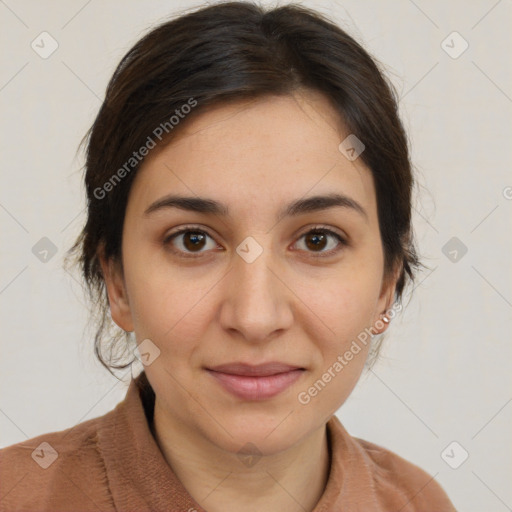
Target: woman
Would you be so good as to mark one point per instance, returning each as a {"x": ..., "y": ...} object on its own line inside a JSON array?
[{"x": 249, "y": 221}]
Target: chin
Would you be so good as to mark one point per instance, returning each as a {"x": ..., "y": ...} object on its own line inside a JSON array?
[{"x": 269, "y": 433}]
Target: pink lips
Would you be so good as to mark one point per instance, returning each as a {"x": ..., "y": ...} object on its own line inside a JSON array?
[{"x": 258, "y": 382}]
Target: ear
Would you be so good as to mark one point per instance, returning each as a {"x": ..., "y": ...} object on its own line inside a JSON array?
[
  {"x": 386, "y": 300},
  {"x": 116, "y": 290}
]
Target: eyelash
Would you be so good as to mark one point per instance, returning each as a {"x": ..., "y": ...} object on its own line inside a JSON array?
[{"x": 195, "y": 229}]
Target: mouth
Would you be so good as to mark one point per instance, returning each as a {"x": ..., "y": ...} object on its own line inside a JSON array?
[{"x": 255, "y": 382}]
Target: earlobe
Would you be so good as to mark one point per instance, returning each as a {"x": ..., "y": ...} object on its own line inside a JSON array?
[
  {"x": 117, "y": 296},
  {"x": 386, "y": 301}
]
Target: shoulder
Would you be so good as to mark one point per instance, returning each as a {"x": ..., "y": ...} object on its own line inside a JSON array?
[
  {"x": 56, "y": 470},
  {"x": 398, "y": 482}
]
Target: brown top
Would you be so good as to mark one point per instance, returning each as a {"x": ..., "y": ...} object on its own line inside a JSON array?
[{"x": 114, "y": 463}]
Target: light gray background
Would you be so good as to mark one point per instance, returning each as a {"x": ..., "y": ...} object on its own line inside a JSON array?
[{"x": 445, "y": 371}]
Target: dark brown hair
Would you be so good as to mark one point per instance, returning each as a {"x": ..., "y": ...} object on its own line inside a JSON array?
[{"x": 225, "y": 52}]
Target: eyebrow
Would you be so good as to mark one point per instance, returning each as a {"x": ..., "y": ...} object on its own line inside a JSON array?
[{"x": 298, "y": 207}]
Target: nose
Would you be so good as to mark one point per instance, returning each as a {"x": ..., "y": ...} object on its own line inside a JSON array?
[{"x": 256, "y": 304}]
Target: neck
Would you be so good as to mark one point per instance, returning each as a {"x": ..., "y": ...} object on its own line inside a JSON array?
[{"x": 292, "y": 480}]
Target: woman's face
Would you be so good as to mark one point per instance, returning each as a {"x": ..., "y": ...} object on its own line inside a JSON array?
[{"x": 250, "y": 316}]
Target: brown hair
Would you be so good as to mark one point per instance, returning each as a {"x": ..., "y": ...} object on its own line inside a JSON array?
[{"x": 224, "y": 52}]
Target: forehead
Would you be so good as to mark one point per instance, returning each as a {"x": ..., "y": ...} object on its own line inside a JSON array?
[{"x": 256, "y": 154}]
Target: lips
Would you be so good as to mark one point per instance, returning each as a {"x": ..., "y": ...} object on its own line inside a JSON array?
[
  {"x": 255, "y": 382},
  {"x": 260, "y": 370}
]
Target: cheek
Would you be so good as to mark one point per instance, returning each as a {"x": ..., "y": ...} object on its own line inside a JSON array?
[
  {"x": 168, "y": 305},
  {"x": 341, "y": 349},
  {"x": 344, "y": 305}
]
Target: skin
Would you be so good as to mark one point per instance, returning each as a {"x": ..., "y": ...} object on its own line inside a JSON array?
[{"x": 289, "y": 305}]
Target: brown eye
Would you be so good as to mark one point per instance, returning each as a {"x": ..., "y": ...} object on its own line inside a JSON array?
[
  {"x": 193, "y": 241},
  {"x": 316, "y": 240},
  {"x": 190, "y": 241},
  {"x": 321, "y": 241}
]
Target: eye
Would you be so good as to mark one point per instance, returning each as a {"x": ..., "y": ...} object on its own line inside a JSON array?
[
  {"x": 189, "y": 242},
  {"x": 321, "y": 240}
]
